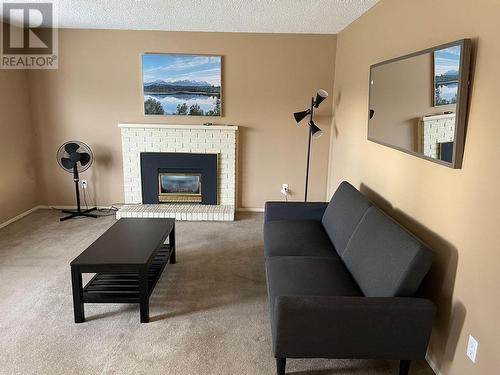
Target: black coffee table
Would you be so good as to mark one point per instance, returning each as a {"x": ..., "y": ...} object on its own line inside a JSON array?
[{"x": 128, "y": 260}]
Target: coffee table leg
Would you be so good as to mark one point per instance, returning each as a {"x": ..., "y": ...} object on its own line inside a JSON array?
[
  {"x": 171, "y": 242},
  {"x": 144, "y": 295},
  {"x": 76, "y": 281}
]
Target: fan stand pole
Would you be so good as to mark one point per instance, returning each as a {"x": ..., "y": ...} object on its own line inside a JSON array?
[{"x": 78, "y": 212}]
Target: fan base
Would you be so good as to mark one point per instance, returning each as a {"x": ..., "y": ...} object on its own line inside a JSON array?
[{"x": 78, "y": 213}]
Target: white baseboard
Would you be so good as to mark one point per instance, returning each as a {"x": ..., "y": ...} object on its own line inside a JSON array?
[
  {"x": 250, "y": 209},
  {"x": 18, "y": 217},
  {"x": 432, "y": 365}
]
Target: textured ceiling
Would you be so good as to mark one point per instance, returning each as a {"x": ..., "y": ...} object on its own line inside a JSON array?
[{"x": 263, "y": 16}]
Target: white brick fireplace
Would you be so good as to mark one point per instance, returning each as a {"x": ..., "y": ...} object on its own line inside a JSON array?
[
  {"x": 434, "y": 130},
  {"x": 197, "y": 139}
]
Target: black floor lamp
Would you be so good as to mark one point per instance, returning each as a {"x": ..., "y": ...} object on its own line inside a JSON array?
[{"x": 314, "y": 131}]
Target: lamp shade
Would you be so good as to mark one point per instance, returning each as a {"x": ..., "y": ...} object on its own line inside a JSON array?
[
  {"x": 320, "y": 96},
  {"x": 299, "y": 116},
  {"x": 315, "y": 131}
]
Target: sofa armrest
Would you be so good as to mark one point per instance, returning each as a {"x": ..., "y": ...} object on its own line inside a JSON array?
[
  {"x": 351, "y": 327},
  {"x": 294, "y": 210}
]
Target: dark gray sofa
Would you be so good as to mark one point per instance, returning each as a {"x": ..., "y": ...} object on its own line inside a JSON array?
[{"x": 342, "y": 280}]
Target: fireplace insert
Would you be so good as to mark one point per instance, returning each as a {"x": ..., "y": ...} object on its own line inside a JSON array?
[
  {"x": 179, "y": 187},
  {"x": 170, "y": 177}
]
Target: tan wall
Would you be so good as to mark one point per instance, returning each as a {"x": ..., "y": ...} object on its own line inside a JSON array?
[
  {"x": 18, "y": 154},
  {"x": 456, "y": 211},
  {"x": 266, "y": 77}
]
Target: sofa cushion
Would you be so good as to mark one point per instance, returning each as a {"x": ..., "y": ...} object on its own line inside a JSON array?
[
  {"x": 296, "y": 237},
  {"x": 343, "y": 214},
  {"x": 308, "y": 276},
  {"x": 385, "y": 259}
]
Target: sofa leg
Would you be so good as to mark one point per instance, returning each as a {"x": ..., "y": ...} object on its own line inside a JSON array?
[
  {"x": 280, "y": 366},
  {"x": 404, "y": 367}
]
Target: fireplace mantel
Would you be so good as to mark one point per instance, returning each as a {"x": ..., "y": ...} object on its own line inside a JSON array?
[
  {"x": 179, "y": 138},
  {"x": 177, "y": 126}
]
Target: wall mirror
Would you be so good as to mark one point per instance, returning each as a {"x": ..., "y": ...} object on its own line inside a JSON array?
[{"x": 418, "y": 102}]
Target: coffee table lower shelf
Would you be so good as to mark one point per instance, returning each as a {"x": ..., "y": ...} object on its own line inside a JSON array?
[{"x": 123, "y": 287}]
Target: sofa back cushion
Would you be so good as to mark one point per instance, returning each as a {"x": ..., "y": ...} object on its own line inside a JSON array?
[
  {"x": 385, "y": 259},
  {"x": 343, "y": 214}
]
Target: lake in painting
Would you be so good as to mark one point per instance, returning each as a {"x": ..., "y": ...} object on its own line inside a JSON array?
[
  {"x": 184, "y": 85},
  {"x": 171, "y": 103}
]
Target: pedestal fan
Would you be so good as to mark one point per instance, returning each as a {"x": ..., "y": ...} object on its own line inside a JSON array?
[{"x": 75, "y": 157}]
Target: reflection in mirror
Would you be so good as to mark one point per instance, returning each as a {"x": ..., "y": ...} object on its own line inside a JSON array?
[{"x": 414, "y": 102}]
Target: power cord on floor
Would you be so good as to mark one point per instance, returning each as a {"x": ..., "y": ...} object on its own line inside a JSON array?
[
  {"x": 100, "y": 211},
  {"x": 103, "y": 211},
  {"x": 107, "y": 211},
  {"x": 112, "y": 209}
]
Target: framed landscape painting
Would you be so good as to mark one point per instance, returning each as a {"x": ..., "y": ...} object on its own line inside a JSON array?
[
  {"x": 181, "y": 85},
  {"x": 446, "y": 75}
]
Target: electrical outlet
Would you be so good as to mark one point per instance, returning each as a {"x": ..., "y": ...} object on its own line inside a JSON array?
[
  {"x": 284, "y": 189},
  {"x": 84, "y": 184},
  {"x": 472, "y": 348}
]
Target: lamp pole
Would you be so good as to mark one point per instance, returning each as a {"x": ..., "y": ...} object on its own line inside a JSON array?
[
  {"x": 313, "y": 129},
  {"x": 309, "y": 148}
]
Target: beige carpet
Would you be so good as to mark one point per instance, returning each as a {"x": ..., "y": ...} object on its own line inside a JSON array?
[{"x": 209, "y": 311}]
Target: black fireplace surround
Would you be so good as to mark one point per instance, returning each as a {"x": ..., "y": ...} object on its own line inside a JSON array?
[{"x": 153, "y": 163}]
